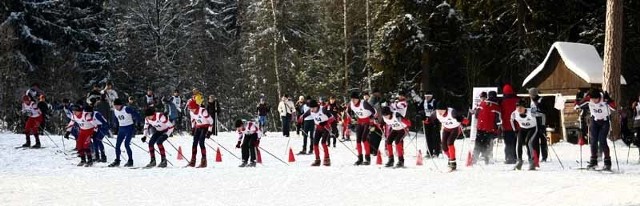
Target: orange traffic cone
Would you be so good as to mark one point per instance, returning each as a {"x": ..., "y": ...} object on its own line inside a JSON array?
[
  {"x": 379, "y": 158},
  {"x": 218, "y": 155},
  {"x": 469, "y": 159},
  {"x": 180, "y": 153},
  {"x": 291, "y": 156},
  {"x": 419, "y": 161},
  {"x": 258, "y": 156}
]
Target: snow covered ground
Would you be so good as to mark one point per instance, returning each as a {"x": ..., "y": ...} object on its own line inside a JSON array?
[{"x": 49, "y": 177}]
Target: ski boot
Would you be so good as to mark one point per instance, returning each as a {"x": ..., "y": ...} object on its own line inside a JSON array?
[
  {"x": 244, "y": 164},
  {"x": 310, "y": 151},
  {"x": 452, "y": 165},
  {"x": 115, "y": 163},
  {"x": 303, "y": 152},
  {"x": 27, "y": 144},
  {"x": 129, "y": 163},
  {"x": 532, "y": 166},
  {"x": 83, "y": 161},
  {"x": 326, "y": 162},
  {"x": 203, "y": 163},
  {"x": 593, "y": 163},
  {"x": 152, "y": 163},
  {"x": 89, "y": 161},
  {"x": 252, "y": 164},
  {"x": 163, "y": 162},
  {"x": 607, "y": 165},
  {"x": 359, "y": 162},
  {"x": 400, "y": 163},
  {"x": 316, "y": 163},
  {"x": 367, "y": 160},
  {"x": 390, "y": 162},
  {"x": 192, "y": 163},
  {"x": 518, "y": 165},
  {"x": 103, "y": 158},
  {"x": 37, "y": 145}
]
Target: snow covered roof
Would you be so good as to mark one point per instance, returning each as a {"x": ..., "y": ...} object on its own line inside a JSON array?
[{"x": 581, "y": 59}]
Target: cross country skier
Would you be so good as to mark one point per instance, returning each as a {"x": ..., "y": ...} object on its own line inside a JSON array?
[
  {"x": 102, "y": 130},
  {"x": 600, "y": 107},
  {"x": 400, "y": 106},
  {"x": 126, "y": 118},
  {"x": 528, "y": 133},
  {"x": 201, "y": 128},
  {"x": 346, "y": 124},
  {"x": 365, "y": 114},
  {"x": 322, "y": 119},
  {"x": 158, "y": 126},
  {"x": 488, "y": 114},
  {"x": 398, "y": 126},
  {"x": 87, "y": 126},
  {"x": 451, "y": 125},
  {"x": 430, "y": 124},
  {"x": 35, "y": 118},
  {"x": 248, "y": 140},
  {"x": 307, "y": 131},
  {"x": 539, "y": 110}
]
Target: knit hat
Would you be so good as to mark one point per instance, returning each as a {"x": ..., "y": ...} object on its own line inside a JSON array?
[
  {"x": 534, "y": 91},
  {"x": 313, "y": 103},
  {"x": 441, "y": 106},
  {"x": 118, "y": 102},
  {"x": 355, "y": 95},
  {"x": 507, "y": 89},
  {"x": 149, "y": 112},
  {"x": 386, "y": 111},
  {"x": 192, "y": 104}
]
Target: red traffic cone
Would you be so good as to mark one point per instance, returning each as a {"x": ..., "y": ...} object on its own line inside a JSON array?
[
  {"x": 218, "y": 155},
  {"x": 379, "y": 158},
  {"x": 291, "y": 156},
  {"x": 258, "y": 156},
  {"x": 419, "y": 161},
  {"x": 469, "y": 159},
  {"x": 180, "y": 153}
]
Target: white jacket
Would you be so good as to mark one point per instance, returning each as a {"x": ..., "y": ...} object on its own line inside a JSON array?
[{"x": 286, "y": 108}]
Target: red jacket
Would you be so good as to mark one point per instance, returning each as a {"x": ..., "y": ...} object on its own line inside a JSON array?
[
  {"x": 488, "y": 114},
  {"x": 508, "y": 106}
]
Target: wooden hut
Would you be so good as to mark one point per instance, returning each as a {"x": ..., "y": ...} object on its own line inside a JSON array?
[{"x": 567, "y": 68}]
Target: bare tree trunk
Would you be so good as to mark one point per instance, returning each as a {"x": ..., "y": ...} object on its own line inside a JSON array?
[
  {"x": 346, "y": 48},
  {"x": 275, "y": 47},
  {"x": 613, "y": 58},
  {"x": 368, "y": 67}
]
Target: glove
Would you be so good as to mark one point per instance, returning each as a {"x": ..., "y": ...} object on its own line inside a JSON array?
[
  {"x": 66, "y": 135},
  {"x": 193, "y": 132},
  {"x": 209, "y": 133},
  {"x": 144, "y": 139},
  {"x": 465, "y": 122},
  {"x": 238, "y": 144}
]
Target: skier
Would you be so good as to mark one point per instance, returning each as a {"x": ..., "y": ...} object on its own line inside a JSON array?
[
  {"x": 451, "y": 128},
  {"x": 35, "y": 118},
  {"x": 87, "y": 125},
  {"x": 45, "y": 110},
  {"x": 126, "y": 118},
  {"x": 508, "y": 106},
  {"x": 34, "y": 92},
  {"x": 248, "y": 140},
  {"x": 346, "y": 123},
  {"x": 430, "y": 124},
  {"x": 399, "y": 127},
  {"x": 375, "y": 133},
  {"x": 213, "y": 107},
  {"x": 102, "y": 130},
  {"x": 322, "y": 119},
  {"x": 201, "y": 128},
  {"x": 93, "y": 95},
  {"x": 263, "y": 110},
  {"x": 528, "y": 133},
  {"x": 308, "y": 128},
  {"x": 488, "y": 114},
  {"x": 159, "y": 128},
  {"x": 539, "y": 110},
  {"x": 333, "y": 107},
  {"x": 365, "y": 114},
  {"x": 600, "y": 107},
  {"x": 400, "y": 106}
]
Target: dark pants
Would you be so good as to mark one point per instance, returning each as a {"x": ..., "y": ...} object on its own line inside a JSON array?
[
  {"x": 335, "y": 133},
  {"x": 375, "y": 138},
  {"x": 432, "y": 132},
  {"x": 543, "y": 147},
  {"x": 97, "y": 145},
  {"x": 321, "y": 136},
  {"x": 308, "y": 132},
  {"x": 510, "y": 141},
  {"x": 598, "y": 132},
  {"x": 286, "y": 125},
  {"x": 362, "y": 139},
  {"x": 483, "y": 145},
  {"x": 448, "y": 139},
  {"x": 528, "y": 137},
  {"x": 198, "y": 139},
  {"x": 157, "y": 138},
  {"x": 214, "y": 130},
  {"x": 249, "y": 148},
  {"x": 124, "y": 135}
]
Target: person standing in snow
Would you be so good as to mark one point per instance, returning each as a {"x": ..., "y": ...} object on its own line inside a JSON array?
[
  {"x": 299, "y": 111},
  {"x": 399, "y": 127},
  {"x": 335, "y": 109},
  {"x": 488, "y": 114},
  {"x": 213, "y": 107},
  {"x": 202, "y": 128},
  {"x": 527, "y": 127},
  {"x": 110, "y": 95},
  {"x": 365, "y": 114},
  {"x": 263, "y": 110},
  {"x": 322, "y": 120},
  {"x": 93, "y": 95},
  {"x": 508, "y": 106},
  {"x": 539, "y": 110},
  {"x": 248, "y": 140},
  {"x": 176, "y": 99},
  {"x": 400, "y": 106},
  {"x": 430, "y": 124},
  {"x": 170, "y": 110},
  {"x": 32, "y": 125},
  {"x": 87, "y": 125},
  {"x": 346, "y": 122},
  {"x": 126, "y": 118},
  {"x": 45, "y": 109},
  {"x": 600, "y": 107},
  {"x": 286, "y": 110},
  {"x": 377, "y": 101},
  {"x": 308, "y": 128},
  {"x": 102, "y": 129},
  {"x": 157, "y": 128},
  {"x": 452, "y": 123}
]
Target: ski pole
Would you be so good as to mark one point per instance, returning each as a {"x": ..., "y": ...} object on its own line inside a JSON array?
[
  {"x": 50, "y": 139},
  {"x": 557, "y": 157},
  {"x": 273, "y": 155},
  {"x": 628, "y": 152},
  {"x": 615, "y": 151},
  {"x": 428, "y": 151},
  {"x": 345, "y": 145},
  {"x": 225, "y": 149}
]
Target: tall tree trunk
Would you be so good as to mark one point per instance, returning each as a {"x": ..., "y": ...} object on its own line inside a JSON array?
[
  {"x": 368, "y": 67},
  {"x": 275, "y": 47},
  {"x": 613, "y": 58},
  {"x": 346, "y": 47}
]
